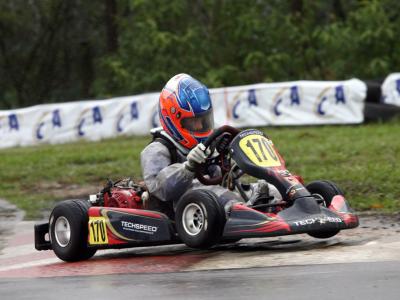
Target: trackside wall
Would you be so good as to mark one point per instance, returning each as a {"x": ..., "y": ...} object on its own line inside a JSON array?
[{"x": 286, "y": 103}]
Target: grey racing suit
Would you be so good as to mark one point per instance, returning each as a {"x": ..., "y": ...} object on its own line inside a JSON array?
[{"x": 168, "y": 182}]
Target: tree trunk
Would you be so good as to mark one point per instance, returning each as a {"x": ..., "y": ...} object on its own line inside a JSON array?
[
  {"x": 111, "y": 26},
  {"x": 296, "y": 8},
  {"x": 338, "y": 9},
  {"x": 87, "y": 71}
]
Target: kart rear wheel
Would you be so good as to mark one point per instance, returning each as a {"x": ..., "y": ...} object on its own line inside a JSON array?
[
  {"x": 199, "y": 219},
  {"x": 326, "y": 190},
  {"x": 68, "y": 230}
]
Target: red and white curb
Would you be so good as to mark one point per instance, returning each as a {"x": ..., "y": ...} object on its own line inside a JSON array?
[{"x": 20, "y": 259}]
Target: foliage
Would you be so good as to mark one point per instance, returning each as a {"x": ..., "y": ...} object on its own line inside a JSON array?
[{"x": 54, "y": 50}]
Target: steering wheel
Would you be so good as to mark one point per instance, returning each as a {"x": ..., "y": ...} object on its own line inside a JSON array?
[{"x": 220, "y": 140}]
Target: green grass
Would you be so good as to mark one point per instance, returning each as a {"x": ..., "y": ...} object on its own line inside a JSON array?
[{"x": 363, "y": 160}]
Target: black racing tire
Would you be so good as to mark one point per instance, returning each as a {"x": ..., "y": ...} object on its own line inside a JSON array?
[
  {"x": 374, "y": 112},
  {"x": 327, "y": 190},
  {"x": 72, "y": 215},
  {"x": 199, "y": 219},
  {"x": 374, "y": 91}
]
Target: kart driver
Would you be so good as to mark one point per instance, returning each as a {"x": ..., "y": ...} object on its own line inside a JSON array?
[{"x": 168, "y": 163}]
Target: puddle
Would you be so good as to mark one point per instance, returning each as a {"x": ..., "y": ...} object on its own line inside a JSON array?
[{"x": 10, "y": 215}]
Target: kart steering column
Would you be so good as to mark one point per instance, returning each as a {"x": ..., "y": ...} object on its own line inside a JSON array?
[{"x": 230, "y": 132}]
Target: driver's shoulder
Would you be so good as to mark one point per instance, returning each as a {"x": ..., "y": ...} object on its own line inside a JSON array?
[{"x": 155, "y": 147}]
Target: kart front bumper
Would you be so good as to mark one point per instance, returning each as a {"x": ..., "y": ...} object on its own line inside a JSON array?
[
  {"x": 42, "y": 241},
  {"x": 304, "y": 216}
]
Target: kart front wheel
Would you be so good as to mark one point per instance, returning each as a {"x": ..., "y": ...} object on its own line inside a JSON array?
[
  {"x": 199, "y": 219},
  {"x": 326, "y": 190},
  {"x": 69, "y": 231}
]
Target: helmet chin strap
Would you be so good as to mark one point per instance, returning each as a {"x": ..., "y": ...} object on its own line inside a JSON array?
[{"x": 180, "y": 148}]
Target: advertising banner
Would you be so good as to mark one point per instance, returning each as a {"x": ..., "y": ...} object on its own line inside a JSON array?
[
  {"x": 265, "y": 104},
  {"x": 391, "y": 89}
]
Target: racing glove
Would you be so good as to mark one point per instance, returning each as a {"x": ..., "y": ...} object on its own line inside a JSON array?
[{"x": 196, "y": 156}]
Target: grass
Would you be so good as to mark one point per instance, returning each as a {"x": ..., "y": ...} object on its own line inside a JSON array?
[{"x": 363, "y": 160}]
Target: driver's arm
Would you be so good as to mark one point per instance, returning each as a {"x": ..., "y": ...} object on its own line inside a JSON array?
[{"x": 164, "y": 181}]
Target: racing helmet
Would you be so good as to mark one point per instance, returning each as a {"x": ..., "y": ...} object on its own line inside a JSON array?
[{"x": 185, "y": 110}]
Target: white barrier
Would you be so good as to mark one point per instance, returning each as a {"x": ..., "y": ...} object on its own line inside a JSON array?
[
  {"x": 288, "y": 103},
  {"x": 391, "y": 89}
]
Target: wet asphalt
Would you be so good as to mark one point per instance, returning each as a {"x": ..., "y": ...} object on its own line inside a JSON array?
[
  {"x": 377, "y": 280},
  {"x": 352, "y": 280},
  {"x": 9, "y": 216}
]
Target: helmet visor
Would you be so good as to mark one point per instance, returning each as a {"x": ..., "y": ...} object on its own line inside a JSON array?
[{"x": 201, "y": 123}]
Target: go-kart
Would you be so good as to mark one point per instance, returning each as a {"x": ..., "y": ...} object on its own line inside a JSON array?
[{"x": 116, "y": 217}]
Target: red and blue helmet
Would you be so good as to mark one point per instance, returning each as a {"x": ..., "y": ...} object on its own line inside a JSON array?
[{"x": 185, "y": 110}]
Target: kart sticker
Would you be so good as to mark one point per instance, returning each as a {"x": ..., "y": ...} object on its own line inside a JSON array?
[
  {"x": 321, "y": 220},
  {"x": 97, "y": 231},
  {"x": 259, "y": 150}
]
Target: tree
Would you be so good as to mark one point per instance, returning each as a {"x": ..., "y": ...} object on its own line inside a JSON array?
[{"x": 54, "y": 50}]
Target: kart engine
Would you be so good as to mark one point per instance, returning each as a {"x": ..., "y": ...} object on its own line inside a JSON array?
[
  {"x": 123, "y": 198},
  {"x": 122, "y": 194}
]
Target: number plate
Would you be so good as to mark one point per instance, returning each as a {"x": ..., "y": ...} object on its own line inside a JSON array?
[
  {"x": 97, "y": 231},
  {"x": 260, "y": 151}
]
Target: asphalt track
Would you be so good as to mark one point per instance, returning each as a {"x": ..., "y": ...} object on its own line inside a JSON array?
[
  {"x": 334, "y": 281},
  {"x": 356, "y": 264}
]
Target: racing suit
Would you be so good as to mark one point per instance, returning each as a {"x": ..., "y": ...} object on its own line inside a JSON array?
[{"x": 167, "y": 182}]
